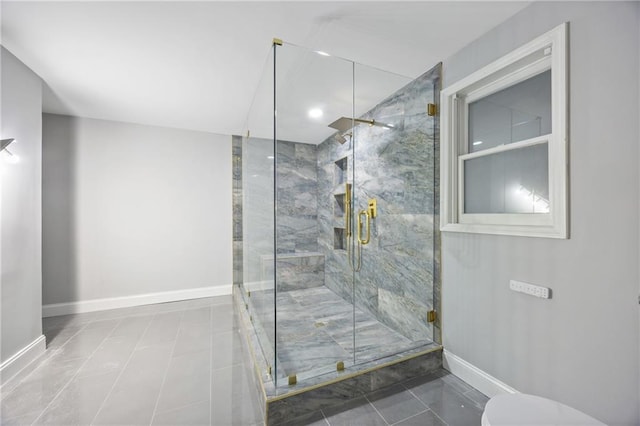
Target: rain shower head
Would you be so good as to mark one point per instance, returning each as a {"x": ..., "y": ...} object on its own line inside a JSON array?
[
  {"x": 341, "y": 138},
  {"x": 343, "y": 124}
]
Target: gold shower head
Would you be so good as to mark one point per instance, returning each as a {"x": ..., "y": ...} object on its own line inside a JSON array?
[{"x": 343, "y": 124}]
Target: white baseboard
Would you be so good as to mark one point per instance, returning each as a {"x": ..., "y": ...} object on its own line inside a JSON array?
[
  {"x": 18, "y": 362},
  {"x": 475, "y": 377},
  {"x": 137, "y": 300}
]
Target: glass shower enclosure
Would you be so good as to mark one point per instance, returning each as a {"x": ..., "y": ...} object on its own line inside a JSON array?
[{"x": 339, "y": 214}]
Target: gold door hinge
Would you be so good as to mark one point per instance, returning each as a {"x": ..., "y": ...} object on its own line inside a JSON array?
[
  {"x": 269, "y": 370},
  {"x": 277, "y": 41},
  {"x": 293, "y": 380},
  {"x": 432, "y": 109},
  {"x": 340, "y": 366},
  {"x": 432, "y": 316}
]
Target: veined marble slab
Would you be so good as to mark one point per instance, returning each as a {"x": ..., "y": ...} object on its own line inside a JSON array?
[{"x": 397, "y": 167}]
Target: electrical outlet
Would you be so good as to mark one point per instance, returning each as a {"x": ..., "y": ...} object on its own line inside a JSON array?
[{"x": 530, "y": 289}]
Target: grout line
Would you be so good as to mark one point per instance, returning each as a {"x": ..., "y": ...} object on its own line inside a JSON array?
[
  {"x": 425, "y": 404},
  {"x": 415, "y": 396},
  {"x": 411, "y": 417},
  {"x": 325, "y": 418},
  {"x": 439, "y": 418},
  {"x": 77, "y": 371},
  {"x": 121, "y": 371},
  {"x": 180, "y": 407},
  {"x": 374, "y": 407},
  {"x": 41, "y": 362},
  {"x": 166, "y": 373}
]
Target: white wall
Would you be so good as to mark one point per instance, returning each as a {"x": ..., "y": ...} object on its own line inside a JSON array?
[
  {"x": 21, "y": 231},
  {"x": 582, "y": 346},
  {"x": 132, "y": 210}
]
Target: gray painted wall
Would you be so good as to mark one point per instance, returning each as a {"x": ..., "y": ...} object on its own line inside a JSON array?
[
  {"x": 581, "y": 347},
  {"x": 131, "y": 209},
  {"x": 21, "y": 235}
]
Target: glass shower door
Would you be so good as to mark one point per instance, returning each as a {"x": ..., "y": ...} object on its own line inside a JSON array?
[
  {"x": 394, "y": 205},
  {"x": 354, "y": 168},
  {"x": 314, "y": 305}
]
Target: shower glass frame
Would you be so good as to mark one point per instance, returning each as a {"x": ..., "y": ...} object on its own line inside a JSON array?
[{"x": 294, "y": 80}]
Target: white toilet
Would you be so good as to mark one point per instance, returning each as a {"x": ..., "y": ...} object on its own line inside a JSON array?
[{"x": 522, "y": 409}]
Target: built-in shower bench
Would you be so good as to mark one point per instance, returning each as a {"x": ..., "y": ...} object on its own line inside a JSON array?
[{"x": 295, "y": 271}]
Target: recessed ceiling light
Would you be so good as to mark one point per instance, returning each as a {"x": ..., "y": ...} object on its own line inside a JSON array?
[
  {"x": 477, "y": 143},
  {"x": 320, "y": 52},
  {"x": 315, "y": 113}
]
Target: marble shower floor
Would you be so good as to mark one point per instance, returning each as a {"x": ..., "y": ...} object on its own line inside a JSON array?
[{"x": 315, "y": 331}]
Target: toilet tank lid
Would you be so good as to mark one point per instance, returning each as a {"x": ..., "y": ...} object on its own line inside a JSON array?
[{"x": 524, "y": 409}]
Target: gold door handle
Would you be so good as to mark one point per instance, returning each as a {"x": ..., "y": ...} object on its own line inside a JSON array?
[
  {"x": 347, "y": 208},
  {"x": 367, "y": 218}
]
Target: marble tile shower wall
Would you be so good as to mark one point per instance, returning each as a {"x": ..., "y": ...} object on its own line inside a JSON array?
[
  {"x": 299, "y": 264},
  {"x": 236, "y": 167},
  {"x": 397, "y": 167},
  {"x": 297, "y": 183},
  {"x": 257, "y": 208},
  {"x": 296, "y": 225}
]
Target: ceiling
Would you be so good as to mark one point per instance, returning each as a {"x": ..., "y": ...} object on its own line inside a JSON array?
[{"x": 198, "y": 65}]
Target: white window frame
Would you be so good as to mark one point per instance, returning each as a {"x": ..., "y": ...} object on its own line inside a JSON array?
[{"x": 549, "y": 51}]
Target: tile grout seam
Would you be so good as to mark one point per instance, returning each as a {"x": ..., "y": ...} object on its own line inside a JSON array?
[
  {"x": 424, "y": 403},
  {"x": 77, "y": 372},
  {"x": 166, "y": 373},
  {"x": 411, "y": 417},
  {"x": 376, "y": 410},
  {"x": 121, "y": 371},
  {"x": 41, "y": 362},
  {"x": 326, "y": 420},
  {"x": 54, "y": 352}
]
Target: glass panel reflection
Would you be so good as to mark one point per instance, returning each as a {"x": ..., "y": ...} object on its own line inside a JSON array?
[
  {"x": 515, "y": 181},
  {"x": 519, "y": 112}
]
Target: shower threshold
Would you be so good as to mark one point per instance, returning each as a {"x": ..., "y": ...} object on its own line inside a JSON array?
[{"x": 315, "y": 327}]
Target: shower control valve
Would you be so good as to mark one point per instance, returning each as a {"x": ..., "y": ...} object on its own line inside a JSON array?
[{"x": 373, "y": 207}]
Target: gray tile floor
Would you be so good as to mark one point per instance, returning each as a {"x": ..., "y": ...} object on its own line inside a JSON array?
[
  {"x": 183, "y": 363},
  {"x": 174, "y": 363},
  {"x": 434, "y": 400}
]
